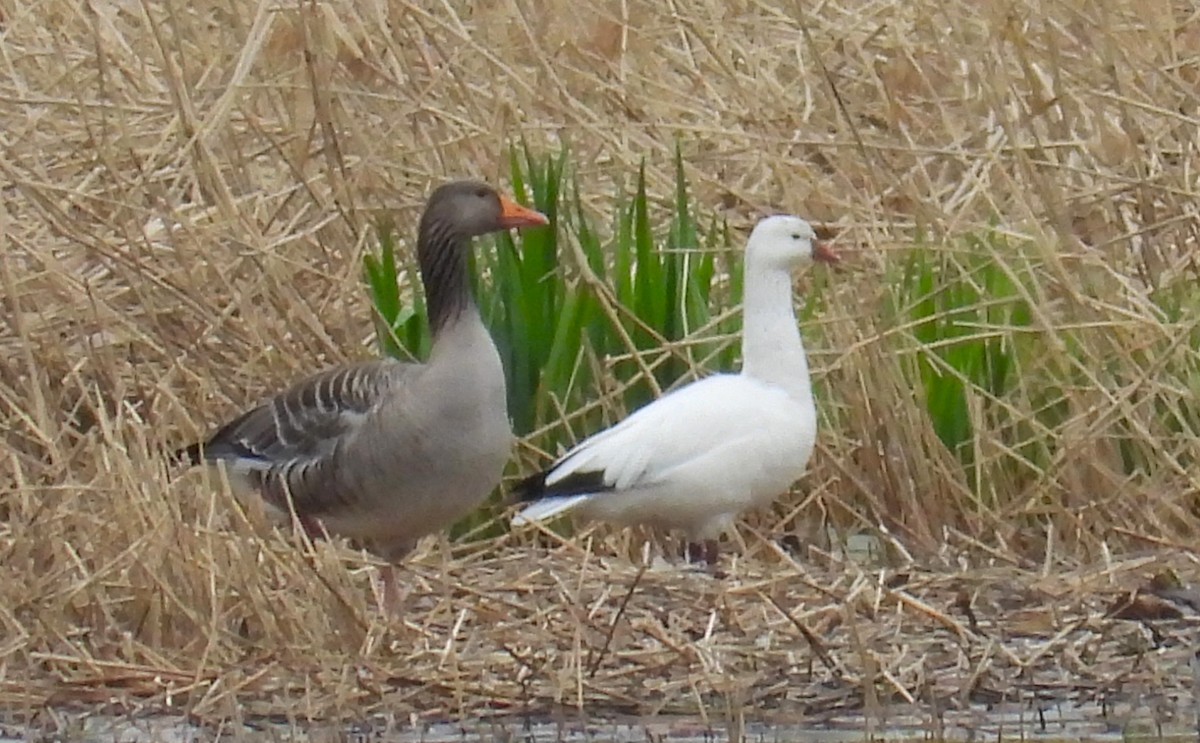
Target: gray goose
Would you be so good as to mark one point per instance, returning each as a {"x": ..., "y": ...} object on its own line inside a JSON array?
[{"x": 385, "y": 452}]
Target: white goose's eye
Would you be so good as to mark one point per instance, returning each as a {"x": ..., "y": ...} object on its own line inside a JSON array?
[{"x": 795, "y": 235}]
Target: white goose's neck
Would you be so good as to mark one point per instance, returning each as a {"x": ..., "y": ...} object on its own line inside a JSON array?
[{"x": 771, "y": 347}]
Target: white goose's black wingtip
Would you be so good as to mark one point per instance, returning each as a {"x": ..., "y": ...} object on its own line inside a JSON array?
[
  {"x": 534, "y": 488},
  {"x": 544, "y": 501},
  {"x": 531, "y": 488}
]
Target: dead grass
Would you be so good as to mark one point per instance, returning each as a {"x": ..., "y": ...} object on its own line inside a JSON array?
[{"x": 185, "y": 189}]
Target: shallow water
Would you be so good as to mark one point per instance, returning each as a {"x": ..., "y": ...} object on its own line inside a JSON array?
[{"x": 1062, "y": 723}]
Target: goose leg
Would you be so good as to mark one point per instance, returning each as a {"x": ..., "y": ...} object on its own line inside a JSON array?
[
  {"x": 708, "y": 554},
  {"x": 390, "y": 596}
]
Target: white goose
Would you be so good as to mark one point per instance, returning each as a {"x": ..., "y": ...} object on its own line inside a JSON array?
[
  {"x": 697, "y": 457},
  {"x": 386, "y": 452}
]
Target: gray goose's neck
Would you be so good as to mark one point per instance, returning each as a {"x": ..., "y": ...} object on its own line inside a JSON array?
[{"x": 442, "y": 256}]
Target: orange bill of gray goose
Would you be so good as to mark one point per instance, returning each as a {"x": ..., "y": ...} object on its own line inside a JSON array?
[{"x": 386, "y": 452}]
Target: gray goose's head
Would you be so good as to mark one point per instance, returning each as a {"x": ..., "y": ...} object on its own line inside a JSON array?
[{"x": 455, "y": 213}]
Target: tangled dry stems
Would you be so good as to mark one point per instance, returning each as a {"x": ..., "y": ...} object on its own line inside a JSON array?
[{"x": 186, "y": 194}]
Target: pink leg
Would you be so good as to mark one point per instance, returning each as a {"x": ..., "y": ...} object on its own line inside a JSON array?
[
  {"x": 712, "y": 552},
  {"x": 391, "y": 596},
  {"x": 707, "y": 552}
]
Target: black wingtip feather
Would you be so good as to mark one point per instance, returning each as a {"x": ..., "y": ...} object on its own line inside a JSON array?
[
  {"x": 531, "y": 488},
  {"x": 580, "y": 483}
]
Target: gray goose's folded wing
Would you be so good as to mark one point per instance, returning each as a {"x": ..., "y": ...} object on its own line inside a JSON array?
[{"x": 292, "y": 443}]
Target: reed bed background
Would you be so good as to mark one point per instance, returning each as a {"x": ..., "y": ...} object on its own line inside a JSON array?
[{"x": 1006, "y": 363}]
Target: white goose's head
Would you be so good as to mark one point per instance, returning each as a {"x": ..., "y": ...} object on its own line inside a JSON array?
[{"x": 786, "y": 242}]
